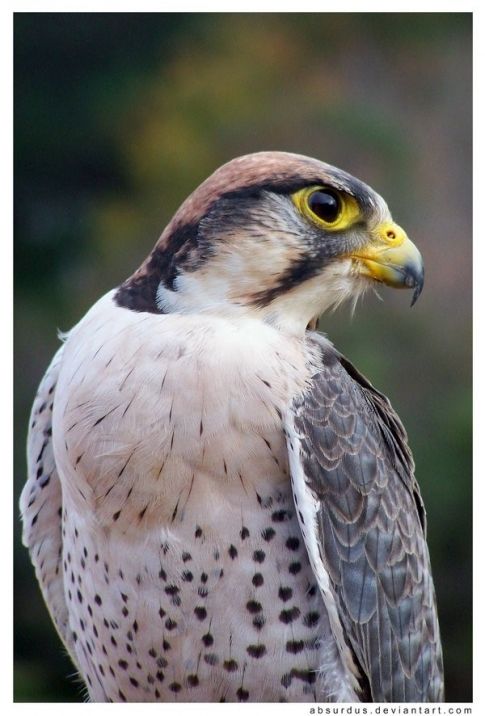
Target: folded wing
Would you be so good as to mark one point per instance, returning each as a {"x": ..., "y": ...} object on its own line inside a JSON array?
[{"x": 364, "y": 526}]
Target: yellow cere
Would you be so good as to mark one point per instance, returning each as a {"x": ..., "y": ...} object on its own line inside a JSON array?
[
  {"x": 390, "y": 233},
  {"x": 348, "y": 211}
]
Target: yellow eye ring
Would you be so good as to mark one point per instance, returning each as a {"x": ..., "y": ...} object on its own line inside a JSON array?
[{"x": 326, "y": 207}]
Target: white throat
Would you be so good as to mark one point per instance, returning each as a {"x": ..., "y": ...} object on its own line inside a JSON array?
[{"x": 211, "y": 292}]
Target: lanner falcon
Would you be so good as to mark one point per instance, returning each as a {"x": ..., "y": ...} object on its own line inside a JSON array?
[{"x": 219, "y": 506}]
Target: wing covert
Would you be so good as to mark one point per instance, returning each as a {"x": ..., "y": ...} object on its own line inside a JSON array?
[
  {"x": 350, "y": 460},
  {"x": 41, "y": 505}
]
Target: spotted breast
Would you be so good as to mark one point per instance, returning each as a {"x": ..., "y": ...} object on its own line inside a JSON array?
[{"x": 184, "y": 568}]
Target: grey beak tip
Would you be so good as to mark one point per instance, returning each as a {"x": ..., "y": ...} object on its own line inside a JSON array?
[
  {"x": 415, "y": 279},
  {"x": 418, "y": 287}
]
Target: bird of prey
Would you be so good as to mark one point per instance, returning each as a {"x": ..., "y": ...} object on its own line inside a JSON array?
[{"x": 219, "y": 506}]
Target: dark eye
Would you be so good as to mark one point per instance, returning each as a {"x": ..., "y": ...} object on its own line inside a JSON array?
[{"x": 325, "y": 204}]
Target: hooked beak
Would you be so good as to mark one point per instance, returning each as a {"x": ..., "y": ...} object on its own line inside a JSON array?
[{"x": 391, "y": 258}]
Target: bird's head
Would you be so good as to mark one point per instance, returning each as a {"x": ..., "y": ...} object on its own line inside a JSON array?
[{"x": 275, "y": 235}]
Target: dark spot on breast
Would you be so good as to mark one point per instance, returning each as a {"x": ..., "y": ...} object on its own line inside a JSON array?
[
  {"x": 268, "y": 534},
  {"x": 200, "y": 613},
  {"x": 186, "y": 557},
  {"x": 292, "y": 543},
  {"x": 253, "y": 607},
  {"x": 161, "y": 613},
  {"x": 198, "y": 532},
  {"x": 244, "y": 533},
  {"x": 286, "y": 680},
  {"x": 285, "y": 593},
  {"x": 116, "y": 515},
  {"x": 256, "y": 650},
  {"x": 170, "y": 624},
  {"x": 305, "y": 675},
  {"x": 134, "y": 682},
  {"x": 208, "y": 639},
  {"x": 121, "y": 695},
  {"x": 160, "y": 676},
  {"x": 289, "y": 615},
  {"x": 259, "y": 556},
  {"x": 187, "y": 576},
  {"x": 171, "y": 589},
  {"x": 192, "y": 680},
  {"x": 98, "y": 599},
  {"x": 281, "y": 516},
  {"x": 242, "y": 694},
  {"x": 259, "y": 621},
  {"x": 294, "y": 568},
  {"x": 258, "y": 579},
  {"x": 311, "y": 619},
  {"x": 175, "y": 687},
  {"x": 312, "y": 590},
  {"x": 230, "y": 665},
  {"x": 294, "y": 647},
  {"x": 232, "y": 552},
  {"x": 203, "y": 577},
  {"x": 123, "y": 664}
]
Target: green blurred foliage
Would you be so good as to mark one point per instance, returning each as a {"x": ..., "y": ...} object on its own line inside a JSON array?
[{"x": 119, "y": 116}]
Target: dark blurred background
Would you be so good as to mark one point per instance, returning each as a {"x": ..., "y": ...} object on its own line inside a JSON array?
[{"x": 119, "y": 116}]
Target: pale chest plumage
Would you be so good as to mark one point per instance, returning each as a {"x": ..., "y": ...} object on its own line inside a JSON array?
[{"x": 185, "y": 571}]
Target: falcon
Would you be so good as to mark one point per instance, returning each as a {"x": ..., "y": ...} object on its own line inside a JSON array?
[{"x": 219, "y": 506}]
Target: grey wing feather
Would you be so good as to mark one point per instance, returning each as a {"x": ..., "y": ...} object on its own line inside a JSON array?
[
  {"x": 41, "y": 505},
  {"x": 370, "y": 526}
]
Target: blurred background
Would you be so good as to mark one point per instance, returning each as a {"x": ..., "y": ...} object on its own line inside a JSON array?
[{"x": 119, "y": 116}]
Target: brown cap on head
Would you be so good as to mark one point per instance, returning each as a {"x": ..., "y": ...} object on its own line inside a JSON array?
[{"x": 252, "y": 170}]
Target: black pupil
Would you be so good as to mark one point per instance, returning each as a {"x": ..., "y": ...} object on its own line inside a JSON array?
[{"x": 325, "y": 204}]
